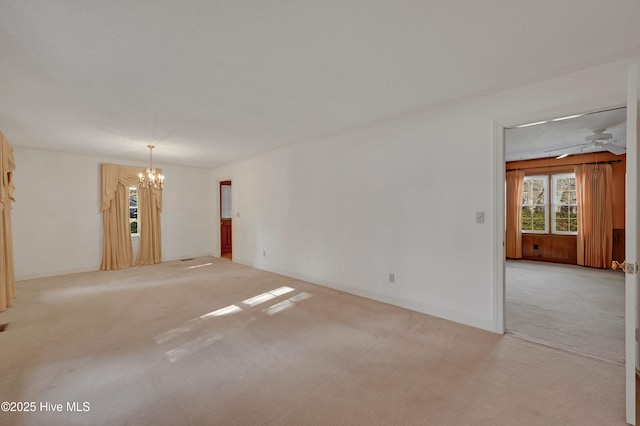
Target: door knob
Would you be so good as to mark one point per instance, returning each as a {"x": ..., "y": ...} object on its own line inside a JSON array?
[{"x": 618, "y": 265}]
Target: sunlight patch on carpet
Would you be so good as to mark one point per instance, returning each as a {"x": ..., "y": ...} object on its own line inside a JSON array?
[
  {"x": 264, "y": 297},
  {"x": 199, "y": 266},
  {"x": 279, "y": 307},
  {"x": 286, "y": 304},
  {"x": 168, "y": 335},
  {"x": 191, "y": 347},
  {"x": 231, "y": 309}
]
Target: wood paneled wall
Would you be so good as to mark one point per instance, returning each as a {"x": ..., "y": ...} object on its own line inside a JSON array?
[
  {"x": 550, "y": 248},
  {"x": 562, "y": 248}
]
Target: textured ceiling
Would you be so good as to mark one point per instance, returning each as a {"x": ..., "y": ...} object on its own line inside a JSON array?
[{"x": 211, "y": 82}]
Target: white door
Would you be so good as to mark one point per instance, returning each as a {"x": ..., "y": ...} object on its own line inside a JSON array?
[{"x": 631, "y": 247}]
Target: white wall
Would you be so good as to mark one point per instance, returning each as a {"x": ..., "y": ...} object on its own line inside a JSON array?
[
  {"x": 188, "y": 218},
  {"x": 57, "y": 223},
  {"x": 400, "y": 197}
]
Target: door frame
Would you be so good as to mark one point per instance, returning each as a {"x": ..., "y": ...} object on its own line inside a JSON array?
[
  {"x": 219, "y": 215},
  {"x": 499, "y": 166},
  {"x": 631, "y": 244},
  {"x": 499, "y": 200}
]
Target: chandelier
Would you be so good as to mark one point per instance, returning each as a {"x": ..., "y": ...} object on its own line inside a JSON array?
[{"x": 152, "y": 179}]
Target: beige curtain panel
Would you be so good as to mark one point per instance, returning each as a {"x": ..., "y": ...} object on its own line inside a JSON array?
[
  {"x": 117, "y": 251},
  {"x": 7, "y": 188},
  {"x": 149, "y": 249},
  {"x": 595, "y": 215},
  {"x": 513, "y": 236}
]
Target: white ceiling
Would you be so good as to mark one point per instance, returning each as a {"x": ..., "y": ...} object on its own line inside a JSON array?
[{"x": 211, "y": 82}]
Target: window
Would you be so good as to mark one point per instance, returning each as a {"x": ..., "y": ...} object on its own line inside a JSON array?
[
  {"x": 536, "y": 199},
  {"x": 564, "y": 207},
  {"x": 534, "y": 204},
  {"x": 133, "y": 210}
]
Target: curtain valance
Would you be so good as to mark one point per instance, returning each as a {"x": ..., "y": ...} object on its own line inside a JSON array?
[{"x": 113, "y": 174}]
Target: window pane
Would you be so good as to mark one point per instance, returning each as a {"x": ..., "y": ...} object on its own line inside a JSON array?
[
  {"x": 226, "y": 209},
  {"x": 564, "y": 202},
  {"x": 573, "y": 212},
  {"x": 533, "y": 191},
  {"x": 527, "y": 219},
  {"x": 538, "y": 218},
  {"x": 562, "y": 212},
  {"x": 565, "y": 197},
  {"x": 533, "y": 218},
  {"x": 573, "y": 225},
  {"x": 133, "y": 209}
]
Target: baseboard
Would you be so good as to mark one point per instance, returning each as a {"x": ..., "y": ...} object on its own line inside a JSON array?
[
  {"x": 26, "y": 277},
  {"x": 550, "y": 260},
  {"x": 186, "y": 256},
  {"x": 458, "y": 317}
]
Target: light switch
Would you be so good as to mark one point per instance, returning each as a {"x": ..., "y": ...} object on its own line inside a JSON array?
[{"x": 479, "y": 217}]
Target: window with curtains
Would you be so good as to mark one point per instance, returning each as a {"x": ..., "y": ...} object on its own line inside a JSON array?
[
  {"x": 551, "y": 210},
  {"x": 133, "y": 211}
]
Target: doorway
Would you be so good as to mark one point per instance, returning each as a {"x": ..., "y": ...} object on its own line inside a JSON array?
[
  {"x": 631, "y": 219},
  {"x": 548, "y": 298},
  {"x": 226, "y": 219}
]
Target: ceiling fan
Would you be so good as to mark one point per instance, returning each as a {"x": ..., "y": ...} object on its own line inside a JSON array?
[{"x": 598, "y": 141}]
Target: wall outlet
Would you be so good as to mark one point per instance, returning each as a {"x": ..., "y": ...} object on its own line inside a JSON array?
[
  {"x": 392, "y": 277},
  {"x": 479, "y": 217},
  {"x": 264, "y": 253}
]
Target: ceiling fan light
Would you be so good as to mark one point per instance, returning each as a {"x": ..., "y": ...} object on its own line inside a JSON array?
[{"x": 567, "y": 117}]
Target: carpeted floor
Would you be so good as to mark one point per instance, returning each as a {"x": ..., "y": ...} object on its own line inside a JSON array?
[
  {"x": 567, "y": 306},
  {"x": 210, "y": 342}
]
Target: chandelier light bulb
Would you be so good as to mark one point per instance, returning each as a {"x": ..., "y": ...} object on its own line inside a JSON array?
[{"x": 152, "y": 179}]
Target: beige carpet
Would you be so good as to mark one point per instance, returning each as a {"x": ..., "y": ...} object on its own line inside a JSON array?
[
  {"x": 566, "y": 306},
  {"x": 210, "y": 342}
]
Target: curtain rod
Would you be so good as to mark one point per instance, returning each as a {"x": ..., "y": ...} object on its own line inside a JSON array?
[{"x": 565, "y": 165}]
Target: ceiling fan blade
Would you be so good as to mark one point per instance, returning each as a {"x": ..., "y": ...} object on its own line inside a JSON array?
[
  {"x": 569, "y": 152},
  {"x": 564, "y": 148},
  {"x": 615, "y": 149},
  {"x": 603, "y": 137}
]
